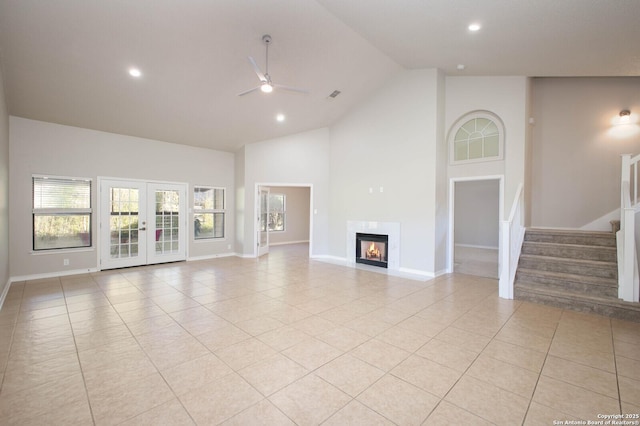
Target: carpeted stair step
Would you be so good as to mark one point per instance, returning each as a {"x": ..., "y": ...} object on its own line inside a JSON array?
[
  {"x": 606, "y": 306},
  {"x": 573, "y": 270},
  {"x": 594, "y": 268},
  {"x": 562, "y": 236},
  {"x": 573, "y": 251},
  {"x": 571, "y": 283}
]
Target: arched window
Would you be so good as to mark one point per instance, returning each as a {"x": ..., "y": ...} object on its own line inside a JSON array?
[{"x": 477, "y": 136}]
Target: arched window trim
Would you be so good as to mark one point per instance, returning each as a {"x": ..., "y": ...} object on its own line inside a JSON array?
[{"x": 461, "y": 122}]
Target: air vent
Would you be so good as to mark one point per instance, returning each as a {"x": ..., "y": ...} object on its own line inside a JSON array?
[{"x": 334, "y": 94}]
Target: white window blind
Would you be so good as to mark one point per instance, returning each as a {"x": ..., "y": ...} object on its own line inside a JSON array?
[
  {"x": 61, "y": 212},
  {"x": 61, "y": 194}
]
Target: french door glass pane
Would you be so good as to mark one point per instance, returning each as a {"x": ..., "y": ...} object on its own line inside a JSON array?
[
  {"x": 123, "y": 222},
  {"x": 167, "y": 221}
]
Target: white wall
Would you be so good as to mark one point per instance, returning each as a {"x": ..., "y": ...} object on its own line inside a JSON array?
[
  {"x": 43, "y": 148},
  {"x": 296, "y": 216},
  {"x": 240, "y": 213},
  {"x": 576, "y": 149},
  {"x": 390, "y": 141},
  {"x": 477, "y": 213},
  {"x": 301, "y": 159},
  {"x": 4, "y": 192},
  {"x": 506, "y": 97}
]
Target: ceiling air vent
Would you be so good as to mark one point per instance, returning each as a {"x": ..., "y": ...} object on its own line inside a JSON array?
[{"x": 334, "y": 94}]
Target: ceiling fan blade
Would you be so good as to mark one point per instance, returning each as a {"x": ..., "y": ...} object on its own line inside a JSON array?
[
  {"x": 246, "y": 92},
  {"x": 257, "y": 69},
  {"x": 291, "y": 89}
]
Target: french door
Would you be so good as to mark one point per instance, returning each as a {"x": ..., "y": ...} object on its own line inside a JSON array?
[{"x": 141, "y": 223}]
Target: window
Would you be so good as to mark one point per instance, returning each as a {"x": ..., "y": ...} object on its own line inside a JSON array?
[
  {"x": 61, "y": 212},
  {"x": 209, "y": 212},
  {"x": 476, "y": 137},
  {"x": 277, "y": 212}
]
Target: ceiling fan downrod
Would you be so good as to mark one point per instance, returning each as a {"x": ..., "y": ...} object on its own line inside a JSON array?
[{"x": 266, "y": 39}]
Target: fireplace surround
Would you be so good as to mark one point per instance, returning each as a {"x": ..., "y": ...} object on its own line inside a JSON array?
[{"x": 391, "y": 229}]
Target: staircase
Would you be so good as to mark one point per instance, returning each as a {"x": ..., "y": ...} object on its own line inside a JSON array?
[{"x": 575, "y": 270}]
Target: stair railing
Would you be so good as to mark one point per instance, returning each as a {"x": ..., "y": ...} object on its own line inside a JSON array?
[
  {"x": 512, "y": 238},
  {"x": 628, "y": 281}
]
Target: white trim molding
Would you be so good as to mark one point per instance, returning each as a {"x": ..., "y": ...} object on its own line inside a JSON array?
[
  {"x": 54, "y": 274},
  {"x": 5, "y": 291}
]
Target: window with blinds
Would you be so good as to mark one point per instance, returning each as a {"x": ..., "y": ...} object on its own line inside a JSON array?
[{"x": 61, "y": 213}]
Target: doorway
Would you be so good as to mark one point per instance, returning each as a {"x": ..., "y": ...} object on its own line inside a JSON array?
[
  {"x": 284, "y": 216},
  {"x": 141, "y": 223},
  {"x": 476, "y": 227}
]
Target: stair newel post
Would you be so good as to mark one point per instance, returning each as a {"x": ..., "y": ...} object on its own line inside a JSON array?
[
  {"x": 625, "y": 177},
  {"x": 627, "y": 278}
]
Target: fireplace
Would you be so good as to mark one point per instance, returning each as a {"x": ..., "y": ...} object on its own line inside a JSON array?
[{"x": 371, "y": 249}]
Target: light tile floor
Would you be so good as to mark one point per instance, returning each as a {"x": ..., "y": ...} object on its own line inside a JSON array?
[
  {"x": 283, "y": 340},
  {"x": 477, "y": 261}
]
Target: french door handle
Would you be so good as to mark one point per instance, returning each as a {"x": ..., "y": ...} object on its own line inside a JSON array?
[{"x": 142, "y": 229}]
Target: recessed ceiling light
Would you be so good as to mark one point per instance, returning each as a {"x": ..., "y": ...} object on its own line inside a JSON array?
[
  {"x": 135, "y": 72},
  {"x": 280, "y": 117},
  {"x": 460, "y": 67},
  {"x": 474, "y": 27}
]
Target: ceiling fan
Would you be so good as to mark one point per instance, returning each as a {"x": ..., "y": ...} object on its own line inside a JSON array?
[{"x": 266, "y": 85}]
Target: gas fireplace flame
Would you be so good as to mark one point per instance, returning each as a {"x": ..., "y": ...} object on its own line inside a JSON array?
[{"x": 373, "y": 252}]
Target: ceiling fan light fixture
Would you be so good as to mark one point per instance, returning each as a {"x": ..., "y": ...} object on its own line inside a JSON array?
[{"x": 266, "y": 86}]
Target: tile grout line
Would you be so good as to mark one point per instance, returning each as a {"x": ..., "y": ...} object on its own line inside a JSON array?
[
  {"x": 472, "y": 362},
  {"x": 615, "y": 365},
  {"x": 147, "y": 355},
  {"x": 546, "y": 355},
  {"x": 77, "y": 352}
]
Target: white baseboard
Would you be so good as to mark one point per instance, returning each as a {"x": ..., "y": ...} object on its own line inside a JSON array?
[
  {"x": 336, "y": 260},
  {"x": 245, "y": 256},
  {"x": 4, "y": 293},
  {"x": 415, "y": 274},
  {"x": 288, "y": 242},
  {"x": 477, "y": 246},
  {"x": 210, "y": 256},
  {"x": 54, "y": 274},
  {"x": 440, "y": 273}
]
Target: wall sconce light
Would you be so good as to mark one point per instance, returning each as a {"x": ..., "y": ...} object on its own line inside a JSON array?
[
  {"x": 624, "y": 125},
  {"x": 625, "y": 116}
]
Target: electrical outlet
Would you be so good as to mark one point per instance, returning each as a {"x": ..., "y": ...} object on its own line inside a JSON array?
[
  {"x": 228, "y": 246},
  {"x": 65, "y": 262}
]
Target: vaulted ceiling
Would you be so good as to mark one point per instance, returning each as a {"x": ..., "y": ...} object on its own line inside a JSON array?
[{"x": 67, "y": 61}]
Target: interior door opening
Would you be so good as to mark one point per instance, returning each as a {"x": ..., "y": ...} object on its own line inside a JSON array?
[
  {"x": 284, "y": 216},
  {"x": 476, "y": 236}
]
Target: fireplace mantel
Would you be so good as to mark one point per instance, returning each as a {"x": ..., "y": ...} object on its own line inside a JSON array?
[{"x": 392, "y": 229}]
